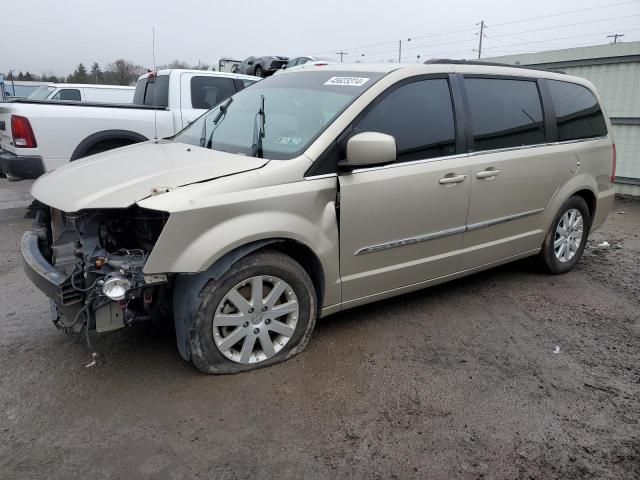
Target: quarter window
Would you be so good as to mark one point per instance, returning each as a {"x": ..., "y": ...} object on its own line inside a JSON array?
[
  {"x": 504, "y": 113},
  {"x": 207, "y": 92},
  {"x": 578, "y": 114},
  {"x": 419, "y": 115}
]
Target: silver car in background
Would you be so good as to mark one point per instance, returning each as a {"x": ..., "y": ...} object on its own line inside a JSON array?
[{"x": 315, "y": 191}]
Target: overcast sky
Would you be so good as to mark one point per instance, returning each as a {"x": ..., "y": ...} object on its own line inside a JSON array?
[{"x": 39, "y": 36}]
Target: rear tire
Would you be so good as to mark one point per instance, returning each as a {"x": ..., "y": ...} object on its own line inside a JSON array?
[
  {"x": 228, "y": 333},
  {"x": 564, "y": 244}
]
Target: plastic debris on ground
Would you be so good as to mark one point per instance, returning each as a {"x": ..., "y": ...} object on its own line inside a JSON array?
[
  {"x": 604, "y": 244},
  {"x": 557, "y": 349}
]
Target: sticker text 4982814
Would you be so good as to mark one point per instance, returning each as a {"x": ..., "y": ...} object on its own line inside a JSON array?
[{"x": 347, "y": 81}]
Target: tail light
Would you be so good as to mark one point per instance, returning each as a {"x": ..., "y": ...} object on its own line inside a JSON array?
[
  {"x": 613, "y": 166},
  {"x": 23, "y": 136}
]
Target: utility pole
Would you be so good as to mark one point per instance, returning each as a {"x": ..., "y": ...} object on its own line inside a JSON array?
[
  {"x": 480, "y": 41},
  {"x": 615, "y": 37},
  {"x": 341, "y": 53}
]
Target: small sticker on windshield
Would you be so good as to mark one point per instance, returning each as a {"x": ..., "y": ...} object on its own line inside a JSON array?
[
  {"x": 288, "y": 140},
  {"x": 347, "y": 81}
]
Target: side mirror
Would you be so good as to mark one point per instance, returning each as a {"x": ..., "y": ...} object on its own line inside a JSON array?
[
  {"x": 250, "y": 62},
  {"x": 370, "y": 148}
]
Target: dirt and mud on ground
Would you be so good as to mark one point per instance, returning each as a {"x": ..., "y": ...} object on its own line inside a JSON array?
[{"x": 506, "y": 374}]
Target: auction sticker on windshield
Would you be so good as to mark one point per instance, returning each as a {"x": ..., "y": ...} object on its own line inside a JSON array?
[{"x": 347, "y": 81}]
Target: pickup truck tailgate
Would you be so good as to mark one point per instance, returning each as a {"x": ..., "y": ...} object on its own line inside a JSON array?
[{"x": 6, "y": 141}]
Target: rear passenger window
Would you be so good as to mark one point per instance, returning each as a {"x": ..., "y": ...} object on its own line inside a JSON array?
[
  {"x": 207, "y": 92},
  {"x": 504, "y": 113},
  {"x": 419, "y": 115},
  {"x": 577, "y": 111}
]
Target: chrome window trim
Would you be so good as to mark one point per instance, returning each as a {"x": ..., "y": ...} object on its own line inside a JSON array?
[
  {"x": 458, "y": 155},
  {"x": 445, "y": 233},
  {"x": 412, "y": 162},
  {"x": 324, "y": 175},
  {"x": 468, "y": 154}
]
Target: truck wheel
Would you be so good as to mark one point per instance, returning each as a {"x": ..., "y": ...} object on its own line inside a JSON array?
[
  {"x": 261, "y": 312},
  {"x": 258, "y": 71},
  {"x": 565, "y": 241}
]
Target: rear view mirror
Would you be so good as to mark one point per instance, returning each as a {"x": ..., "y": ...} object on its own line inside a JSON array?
[{"x": 370, "y": 148}]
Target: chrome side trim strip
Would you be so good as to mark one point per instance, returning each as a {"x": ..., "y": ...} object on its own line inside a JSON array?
[
  {"x": 445, "y": 233},
  {"x": 411, "y": 240},
  {"x": 497, "y": 221}
]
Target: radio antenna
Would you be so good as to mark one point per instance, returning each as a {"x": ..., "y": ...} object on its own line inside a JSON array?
[{"x": 155, "y": 87}]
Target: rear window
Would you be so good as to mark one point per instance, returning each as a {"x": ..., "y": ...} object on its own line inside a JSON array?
[
  {"x": 504, "y": 113},
  {"x": 578, "y": 114},
  {"x": 207, "y": 92},
  {"x": 152, "y": 91}
]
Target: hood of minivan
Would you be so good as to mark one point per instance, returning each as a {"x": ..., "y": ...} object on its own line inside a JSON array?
[{"x": 119, "y": 178}]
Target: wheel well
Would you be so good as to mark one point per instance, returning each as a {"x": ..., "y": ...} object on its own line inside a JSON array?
[
  {"x": 109, "y": 144},
  {"x": 105, "y": 140},
  {"x": 590, "y": 198},
  {"x": 305, "y": 257}
]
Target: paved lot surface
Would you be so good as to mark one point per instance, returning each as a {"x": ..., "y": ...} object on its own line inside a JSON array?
[{"x": 460, "y": 380}]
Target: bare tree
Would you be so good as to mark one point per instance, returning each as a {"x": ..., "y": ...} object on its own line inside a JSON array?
[{"x": 122, "y": 72}]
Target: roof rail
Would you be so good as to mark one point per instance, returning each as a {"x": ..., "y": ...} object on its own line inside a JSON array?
[{"x": 439, "y": 61}]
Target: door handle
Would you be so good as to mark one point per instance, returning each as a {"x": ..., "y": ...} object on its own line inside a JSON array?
[
  {"x": 489, "y": 173},
  {"x": 446, "y": 180}
]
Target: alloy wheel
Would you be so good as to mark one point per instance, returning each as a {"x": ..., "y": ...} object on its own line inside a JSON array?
[
  {"x": 568, "y": 235},
  {"x": 255, "y": 319}
]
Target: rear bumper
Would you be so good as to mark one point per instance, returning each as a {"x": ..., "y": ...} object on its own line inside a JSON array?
[
  {"x": 44, "y": 275},
  {"x": 604, "y": 205},
  {"x": 16, "y": 166}
]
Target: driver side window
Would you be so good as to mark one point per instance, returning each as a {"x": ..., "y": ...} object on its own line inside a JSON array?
[{"x": 419, "y": 115}]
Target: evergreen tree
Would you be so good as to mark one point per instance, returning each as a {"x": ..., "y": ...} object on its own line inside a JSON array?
[
  {"x": 96, "y": 73},
  {"x": 80, "y": 74}
]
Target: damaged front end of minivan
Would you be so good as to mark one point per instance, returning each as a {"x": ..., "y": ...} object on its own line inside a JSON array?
[{"x": 90, "y": 264}]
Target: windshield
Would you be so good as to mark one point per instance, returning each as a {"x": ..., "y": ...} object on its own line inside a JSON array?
[
  {"x": 41, "y": 93},
  {"x": 279, "y": 117}
]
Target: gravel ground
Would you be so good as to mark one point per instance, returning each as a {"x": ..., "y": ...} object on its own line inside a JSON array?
[{"x": 460, "y": 380}]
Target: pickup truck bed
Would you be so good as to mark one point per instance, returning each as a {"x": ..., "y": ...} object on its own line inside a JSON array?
[{"x": 40, "y": 135}]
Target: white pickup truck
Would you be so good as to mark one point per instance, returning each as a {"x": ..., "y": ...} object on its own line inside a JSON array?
[{"x": 39, "y": 135}]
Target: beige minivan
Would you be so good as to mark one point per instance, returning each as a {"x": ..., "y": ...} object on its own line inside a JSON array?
[{"x": 318, "y": 190}]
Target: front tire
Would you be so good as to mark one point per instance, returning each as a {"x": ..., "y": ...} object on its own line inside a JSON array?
[
  {"x": 261, "y": 312},
  {"x": 565, "y": 241},
  {"x": 259, "y": 72}
]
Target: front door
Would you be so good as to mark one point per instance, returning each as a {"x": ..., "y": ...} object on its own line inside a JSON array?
[{"x": 404, "y": 223}]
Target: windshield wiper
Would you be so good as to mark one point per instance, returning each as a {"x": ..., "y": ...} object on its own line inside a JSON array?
[
  {"x": 258, "y": 130},
  {"x": 216, "y": 121}
]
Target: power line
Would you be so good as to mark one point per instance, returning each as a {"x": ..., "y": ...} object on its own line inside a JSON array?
[
  {"x": 566, "y": 13},
  {"x": 560, "y": 38},
  {"x": 566, "y": 25},
  {"x": 371, "y": 45}
]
